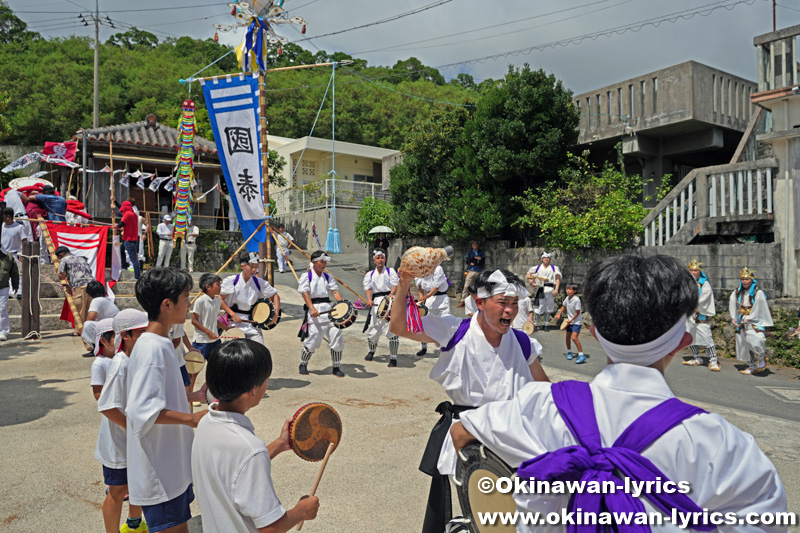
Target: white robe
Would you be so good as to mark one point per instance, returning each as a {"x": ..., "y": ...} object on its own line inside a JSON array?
[
  {"x": 725, "y": 468},
  {"x": 318, "y": 327},
  {"x": 244, "y": 296},
  {"x": 524, "y": 313},
  {"x": 701, "y": 331},
  {"x": 376, "y": 281},
  {"x": 437, "y": 305},
  {"x": 475, "y": 373},
  {"x": 751, "y": 336},
  {"x": 551, "y": 272}
]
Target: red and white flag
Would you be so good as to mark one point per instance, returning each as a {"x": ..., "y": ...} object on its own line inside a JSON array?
[
  {"x": 65, "y": 151},
  {"x": 87, "y": 242}
]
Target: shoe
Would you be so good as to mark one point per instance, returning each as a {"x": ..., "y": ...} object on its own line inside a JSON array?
[
  {"x": 88, "y": 354},
  {"x": 3, "y": 337},
  {"x": 546, "y": 328},
  {"x": 368, "y": 357},
  {"x": 758, "y": 369},
  {"x": 282, "y": 271},
  {"x": 196, "y": 404},
  {"x": 422, "y": 352},
  {"x": 581, "y": 359},
  {"x": 392, "y": 363},
  {"x": 303, "y": 370},
  {"x": 191, "y": 270},
  {"x": 569, "y": 356},
  {"x": 141, "y": 529},
  {"x": 692, "y": 362},
  {"x": 714, "y": 366},
  {"x": 460, "y": 305},
  {"x": 338, "y": 373},
  {"x": 747, "y": 371}
]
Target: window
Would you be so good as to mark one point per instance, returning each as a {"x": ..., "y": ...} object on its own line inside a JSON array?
[
  {"x": 655, "y": 95},
  {"x": 308, "y": 168},
  {"x": 642, "y": 91},
  {"x": 608, "y": 117},
  {"x": 619, "y": 103},
  {"x": 599, "y": 110},
  {"x": 589, "y": 113},
  {"x": 714, "y": 92},
  {"x": 736, "y": 99},
  {"x": 633, "y": 110}
]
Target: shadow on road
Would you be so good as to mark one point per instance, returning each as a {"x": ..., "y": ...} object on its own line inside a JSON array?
[{"x": 27, "y": 399}]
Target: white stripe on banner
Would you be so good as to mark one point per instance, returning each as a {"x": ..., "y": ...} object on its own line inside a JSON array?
[{"x": 233, "y": 113}]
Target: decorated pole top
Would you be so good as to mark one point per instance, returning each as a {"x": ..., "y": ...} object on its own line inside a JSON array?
[{"x": 260, "y": 23}]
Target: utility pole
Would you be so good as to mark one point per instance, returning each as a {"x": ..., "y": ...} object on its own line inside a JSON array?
[{"x": 96, "y": 109}]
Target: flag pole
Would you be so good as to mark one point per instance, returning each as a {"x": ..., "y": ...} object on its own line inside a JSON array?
[{"x": 262, "y": 116}]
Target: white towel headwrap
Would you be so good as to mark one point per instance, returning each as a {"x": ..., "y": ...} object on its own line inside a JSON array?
[
  {"x": 502, "y": 286},
  {"x": 648, "y": 353}
]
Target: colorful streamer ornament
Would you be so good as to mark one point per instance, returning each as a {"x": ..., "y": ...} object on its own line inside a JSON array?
[{"x": 182, "y": 213}]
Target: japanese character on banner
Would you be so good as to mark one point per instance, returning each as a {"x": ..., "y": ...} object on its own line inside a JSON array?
[
  {"x": 124, "y": 180},
  {"x": 156, "y": 183},
  {"x": 247, "y": 186},
  {"x": 239, "y": 140},
  {"x": 140, "y": 181},
  {"x": 170, "y": 185}
]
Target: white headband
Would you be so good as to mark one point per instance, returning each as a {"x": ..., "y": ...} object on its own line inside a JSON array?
[
  {"x": 502, "y": 286},
  {"x": 376, "y": 253},
  {"x": 545, "y": 254},
  {"x": 644, "y": 354},
  {"x": 323, "y": 257}
]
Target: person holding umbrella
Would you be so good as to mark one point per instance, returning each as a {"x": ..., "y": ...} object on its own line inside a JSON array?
[{"x": 381, "y": 242}]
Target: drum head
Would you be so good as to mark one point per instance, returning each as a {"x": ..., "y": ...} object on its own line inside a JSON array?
[
  {"x": 313, "y": 427},
  {"x": 231, "y": 334},
  {"x": 423, "y": 309},
  {"x": 194, "y": 361},
  {"x": 340, "y": 310},
  {"x": 528, "y": 328},
  {"x": 262, "y": 312},
  {"x": 564, "y": 324},
  {"x": 270, "y": 326},
  {"x": 476, "y": 462},
  {"x": 384, "y": 307}
]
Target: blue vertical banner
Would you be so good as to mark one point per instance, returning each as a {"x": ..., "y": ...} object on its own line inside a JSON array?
[{"x": 232, "y": 103}]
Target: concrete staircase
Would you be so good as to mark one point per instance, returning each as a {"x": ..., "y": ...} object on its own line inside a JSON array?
[{"x": 51, "y": 300}]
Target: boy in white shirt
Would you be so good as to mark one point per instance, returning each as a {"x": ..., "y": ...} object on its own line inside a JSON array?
[
  {"x": 104, "y": 353},
  {"x": 572, "y": 305},
  {"x": 159, "y": 418},
  {"x": 230, "y": 465},
  {"x": 111, "y": 442},
  {"x": 101, "y": 306},
  {"x": 204, "y": 319}
]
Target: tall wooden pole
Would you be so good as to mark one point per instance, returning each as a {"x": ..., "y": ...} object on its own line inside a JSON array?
[
  {"x": 111, "y": 164},
  {"x": 262, "y": 106}
]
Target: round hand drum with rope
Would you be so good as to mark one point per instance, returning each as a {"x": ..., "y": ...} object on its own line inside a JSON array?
[
  {"x": 343, "y": 314},
  {"x": 263, "y": 312},
  {"x": 313, "y": 427},
  {"x": 384, "y": 311},
  {"x": 194, "y": 361},
  {"x": 475, "y": 463}
]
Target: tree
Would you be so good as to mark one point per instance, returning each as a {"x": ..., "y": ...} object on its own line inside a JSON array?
[
  {"x": 12, "y": 28},
  {"x": 133, "y": 38},
  {"x": 372, "y": 212},
  {"x": 5, "y": 130},
  {"x": 465, "y": 80},
  {"x": 586, "y": 208},
  {"x": 414, "y": 70}
]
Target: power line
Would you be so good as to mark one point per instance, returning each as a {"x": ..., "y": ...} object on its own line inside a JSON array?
[
  {"x": 382, "y": 21},
  {"x": 123, "y": 10},
  {"x": 619, "y": 30},
  {"x": 407, "y": 94},
  {"x": 506, "y": 23}
]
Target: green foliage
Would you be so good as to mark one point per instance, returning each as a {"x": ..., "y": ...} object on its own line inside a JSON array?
[
  {"x": 781, "y": 348},
  {"x": 133, "y": 38},
  {"x": 372, "y": 212},
  {"x": 464, "y": 169},
  {"x": 586, "y": 208},
  {"x": 5, "y": 130},
  {"x": 13, "y": 30}
]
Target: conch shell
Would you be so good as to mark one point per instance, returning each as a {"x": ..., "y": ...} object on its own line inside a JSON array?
[{"x": 421, "y": 262}]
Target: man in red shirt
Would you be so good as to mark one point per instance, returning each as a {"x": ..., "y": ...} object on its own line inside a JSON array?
[{"x": 130, "y": 235}]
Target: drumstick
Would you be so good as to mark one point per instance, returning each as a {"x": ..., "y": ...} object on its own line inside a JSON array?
[
  {"x": 319, "y": 475},
  {"x": 287, "y": 260},
  {"x": 326, "y": 270}
]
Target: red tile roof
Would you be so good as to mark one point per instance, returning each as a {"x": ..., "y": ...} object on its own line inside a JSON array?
[{"x": 144, "y": 134}]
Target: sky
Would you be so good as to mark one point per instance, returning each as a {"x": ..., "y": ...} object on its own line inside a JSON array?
[{"x": 722, "y": 38}]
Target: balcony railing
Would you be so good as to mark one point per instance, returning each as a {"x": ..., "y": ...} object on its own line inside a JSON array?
[
  {"x": 319, "y": 195},
  {"x": 712, "y": 192}
]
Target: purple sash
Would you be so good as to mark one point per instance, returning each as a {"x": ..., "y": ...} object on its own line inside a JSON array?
[
  {"x": 522, "y": 338},
  {"x": 254, "y": 278},
  {"x": 311, "y": 276},
  {"x": 589, "y": 461}
]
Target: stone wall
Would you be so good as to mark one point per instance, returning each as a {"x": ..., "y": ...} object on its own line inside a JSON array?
[
  {"x": 213, "y": 249},
  {"x": 722, "y": 261}
]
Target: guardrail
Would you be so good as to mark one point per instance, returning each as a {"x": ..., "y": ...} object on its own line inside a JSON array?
[{"x": 349, "y": 194}]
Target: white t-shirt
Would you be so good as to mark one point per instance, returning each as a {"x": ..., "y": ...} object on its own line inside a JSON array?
[
  {"x": 159, "y": 455},
  {"x": 177, "y": 332},
  {"x": 573, "y": 306},
  {"x": 524, "y": 313},
  {"x": 231, "y": 472},
  {"x": 14, "y": 201},
  {"x": 112, "y": 439},
  {"x": 99, "y": 370},
  {"x": 12, "y": 237},
  {"x": 470, "y": 306},
  {"x": 191, "y": 238},
  {"x": 164, "y": 231},
  {"x": 104, "y": 308},
  {"x": 207, "y": 310}
]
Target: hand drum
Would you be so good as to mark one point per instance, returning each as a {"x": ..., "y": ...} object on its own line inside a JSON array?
[{"x": 313, "y": 427}]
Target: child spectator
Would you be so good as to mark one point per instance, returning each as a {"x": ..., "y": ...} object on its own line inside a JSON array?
[
  {"x": 111, "y": 448},
  {"x": 159, "y": 418},
  {"x": 100, "y": 306},
  {"x": 204, "y": 318},
  {"x": 574, "y": 318},
  {"x": 230, "y": 465}
]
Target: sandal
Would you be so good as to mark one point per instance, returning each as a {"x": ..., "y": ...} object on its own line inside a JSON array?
[
  {"x": 692, "y": 362},
  {"x": 714, "y": 367}
]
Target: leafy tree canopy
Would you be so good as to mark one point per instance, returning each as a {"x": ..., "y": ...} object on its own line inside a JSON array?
[
  {"x": 133, "y": 38},
  {"x": 586, "y": 208},
  {"x": 372, "y": 212}
]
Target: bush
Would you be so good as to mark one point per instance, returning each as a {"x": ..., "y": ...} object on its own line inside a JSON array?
[{"x": 372, "y": 212}]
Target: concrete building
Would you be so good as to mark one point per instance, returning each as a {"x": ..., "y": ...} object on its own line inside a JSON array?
[
  {"x": 753, "y": 200},
  {"x": 670, "y": 121}
]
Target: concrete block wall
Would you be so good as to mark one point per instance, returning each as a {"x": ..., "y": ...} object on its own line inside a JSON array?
[{"x": 722, "y": 261}]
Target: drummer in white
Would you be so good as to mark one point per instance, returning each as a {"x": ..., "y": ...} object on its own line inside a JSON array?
[
  {"x": 482, "y": 360},
  {"x": 697, "y": 323},
  {"x": 240, "y": 293},
  {"x": 548, "y": 278},
  {"x": 380, "y": 283},
  {"x": 433, "y": 293},
  {"x": 315, "y": 287}
]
